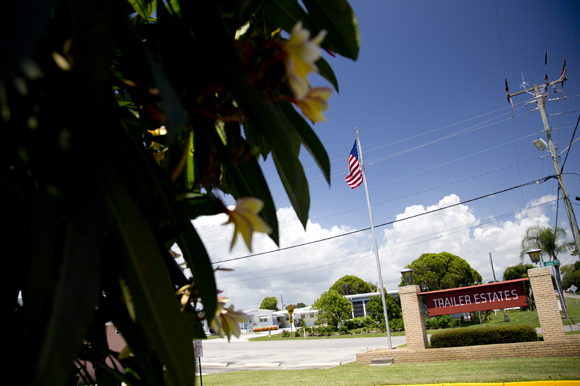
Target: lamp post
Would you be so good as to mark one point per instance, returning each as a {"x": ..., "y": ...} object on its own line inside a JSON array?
[
  {"x": 407, "y": 275},
  {"x": 534, "y": 255}
]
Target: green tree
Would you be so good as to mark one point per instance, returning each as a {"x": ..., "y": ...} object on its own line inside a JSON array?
[
  {"x": 520, "y": 271},
  {"x": 375, "y": 307},
  {"x": 351, "y": 285},
  {"x": 373, "y": 287},
  {"x": 120, "y": 121},
  {"x": 437, "y": 271},
  {"x": 571, "y": 274},
  {"x": 551, "y": 242},
  {"x": 269, "y": 303},
  {"x": 301, "y": 305},
  {"x": 332, "y": 308}
]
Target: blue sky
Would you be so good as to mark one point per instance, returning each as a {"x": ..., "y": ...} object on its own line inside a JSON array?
[{"x": 427, "y": 70}]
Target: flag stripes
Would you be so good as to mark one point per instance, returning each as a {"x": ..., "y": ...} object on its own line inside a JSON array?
[{"x": 354, "y": 177}]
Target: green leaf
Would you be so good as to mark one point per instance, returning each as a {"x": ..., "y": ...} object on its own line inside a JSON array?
[
  {"x": 194, "y": 251},
  {"x": 250, "y": 182},
  {"x": 176, "y": 114},
  {"x": 198, "y": 204},
  {"x": 327, "y": 72},
  {"x": 292, "y": 175},
  {"x": 190, "y": 169},
  {"x": 133, "y": 335},
  {"x": 281, "y": 142},
  {"x": 75, "y": 295},
  {"x": 277, "y": 135},
  {"x": 225, "y": 64},
  {"x": 255, "y": 139},
  {"x": 285, "y": 13},
  {"x": 307, "y": 136},
  {"x": 144, "y": 8},
  {"x": 157, "y": 307},
  {"x": 198, "y": 261},
  {"x": 337, "y": 17},
  {"x": 173, "y": 8}
]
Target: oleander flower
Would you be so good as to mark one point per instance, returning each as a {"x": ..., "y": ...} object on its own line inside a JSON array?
[
  {"x": 227, "y": 320},
  {"x": 302, "y": 54},
  {"x": 314, "y": 103},
  {"x": 246, "y": 220}
]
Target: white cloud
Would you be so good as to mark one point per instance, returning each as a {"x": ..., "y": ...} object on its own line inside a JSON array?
[
  {"x": 298, "y": 274},
  {"x": 301, "y": 274},
  {"x": 458, "y": 231}
]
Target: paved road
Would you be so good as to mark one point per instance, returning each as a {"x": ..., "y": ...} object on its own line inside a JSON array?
[{"x": 290, "y": 354}]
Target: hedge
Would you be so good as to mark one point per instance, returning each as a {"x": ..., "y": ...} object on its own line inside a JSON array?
[
  {"x": 269, "y": 328},
  {"x": 483, "y": 335}
]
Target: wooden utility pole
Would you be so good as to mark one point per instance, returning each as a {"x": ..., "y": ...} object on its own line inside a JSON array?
[
  {"x": 506, "y": 317},
  {"x": 539, "y": 96}
]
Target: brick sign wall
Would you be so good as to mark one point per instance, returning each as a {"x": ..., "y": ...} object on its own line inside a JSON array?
[{"x": 505, "y": 294}]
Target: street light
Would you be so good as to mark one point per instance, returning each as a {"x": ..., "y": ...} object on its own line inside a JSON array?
[
  {"x": 540, "y": 144},
  {"x": 407, "y": 275},
  {"x": 534, "y": 255}
]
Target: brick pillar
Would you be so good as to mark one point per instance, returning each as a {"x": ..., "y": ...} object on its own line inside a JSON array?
[
  {"x": 546, "y": 303},
  {"x": 413, "y": 317}
]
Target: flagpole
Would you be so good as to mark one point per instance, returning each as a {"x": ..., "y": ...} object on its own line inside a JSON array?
[{"x": 362, "y": 165}]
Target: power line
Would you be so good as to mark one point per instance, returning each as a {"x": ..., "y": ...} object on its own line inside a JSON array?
[
  {"x": 387, "y": 223},
  {"x": 379, "y": 159},
  {"x": 405, "y": 196},
  {"x": 384, "y": 249}
]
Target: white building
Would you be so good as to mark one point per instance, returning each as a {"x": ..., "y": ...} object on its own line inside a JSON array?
[{"x": 360, "y": 301}]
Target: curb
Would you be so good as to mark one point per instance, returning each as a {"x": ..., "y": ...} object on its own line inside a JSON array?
[
  {"x": 262, "y": 365},
  {"x": 326, "y": 364},
  {"x": 215, "y": 364},
  {"x": 531, "y": 383}
]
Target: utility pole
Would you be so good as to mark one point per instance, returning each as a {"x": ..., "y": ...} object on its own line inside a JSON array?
[
  {"x": 506, "y": 317},
  {"x": 540, "y": 94},
  {"x": 492, "y": 270}
]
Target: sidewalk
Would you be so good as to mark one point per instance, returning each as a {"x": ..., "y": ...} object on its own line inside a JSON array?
[{"x": 567, "y": 327}]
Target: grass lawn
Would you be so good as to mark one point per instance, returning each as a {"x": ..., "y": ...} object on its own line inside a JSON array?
[
  {"x": 573, "y": 310},
  {"x": 507, "y": 370}
]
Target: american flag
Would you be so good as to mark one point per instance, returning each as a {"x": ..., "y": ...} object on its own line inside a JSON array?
[{"x": 354, "y": 177}]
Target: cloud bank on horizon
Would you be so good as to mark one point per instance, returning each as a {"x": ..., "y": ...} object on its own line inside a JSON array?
[{"x": 302, "y": 273}]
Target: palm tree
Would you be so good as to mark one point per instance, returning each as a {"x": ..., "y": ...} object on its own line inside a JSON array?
[
  {"x": 545, "y": 238},
  {"x": 551, "y": 242}
]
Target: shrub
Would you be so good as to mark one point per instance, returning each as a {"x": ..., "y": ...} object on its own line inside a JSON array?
[
  {"x": 298, "y": 333},
  {"x": 483, "y": 335},
  {"x": 441, "y": 321},
  {"x": 285, "y": 334},
  {"x": 343, "y": 330},
  {"x": 269, "y": 328},
  {"x": 324, "y": 330},
  {"x": 396, "y": 325},
  {"x": 369, "y": 321}
]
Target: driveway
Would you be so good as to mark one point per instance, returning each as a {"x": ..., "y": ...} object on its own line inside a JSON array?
[{"x": 239, "y": 354}]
